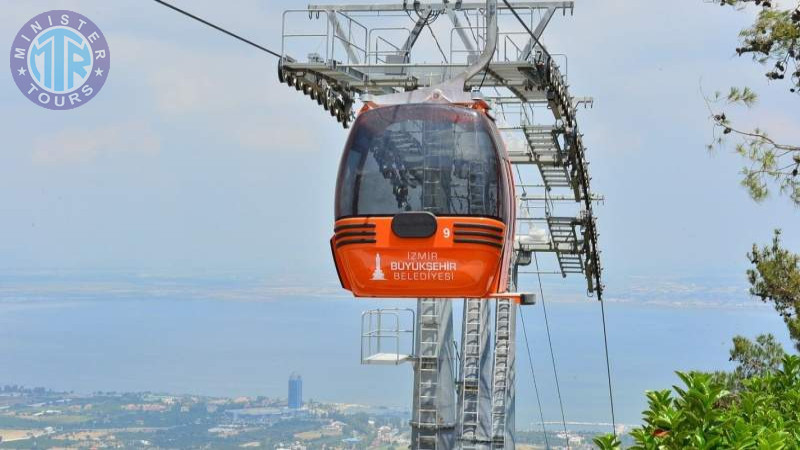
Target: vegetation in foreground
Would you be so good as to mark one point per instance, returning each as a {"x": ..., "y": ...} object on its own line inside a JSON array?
[{"x": 703, "y": 414}]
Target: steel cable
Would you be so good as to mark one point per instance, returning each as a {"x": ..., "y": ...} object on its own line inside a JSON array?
[{"x": 218, "y": 28}]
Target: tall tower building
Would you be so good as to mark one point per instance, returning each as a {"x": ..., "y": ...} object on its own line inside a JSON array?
[{"x": 295, "y": 391}]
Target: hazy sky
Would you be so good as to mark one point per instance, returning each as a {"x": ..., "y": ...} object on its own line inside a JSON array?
[{"x": 194, "y": 159}]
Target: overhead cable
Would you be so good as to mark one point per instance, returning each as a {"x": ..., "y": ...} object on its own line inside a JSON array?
[
  {"x": 218, "y": 28},
  {"x": 524, "y": 329},
  {"x": 533, "y": 375},
  {"x": 608, "y": 361},
  {"x": 527, "y": 28}
]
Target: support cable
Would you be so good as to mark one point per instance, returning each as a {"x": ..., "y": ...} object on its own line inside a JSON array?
[
  {"x": 525, "y": 333},
  {"x": 552, "y": 354},
  {"x": 533, "y": 375},
  {"x": 437, "y": 43},
  {"x": 427, "y": 21},
  {"x": 608, "y": 361},
  {"x": 519, "y": 175},
  {"x": 218, "y": 28}
]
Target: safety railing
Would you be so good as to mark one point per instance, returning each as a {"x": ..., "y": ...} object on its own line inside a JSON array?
[
  {"x": 351, "y": 46},
  {"x": 393, "y": 49},
  {"x": 510, "y": 46},
  {"x": 384, "y": 334},
  {"x": 350, "y": 34},
  {"x": 288, "y": 36}
]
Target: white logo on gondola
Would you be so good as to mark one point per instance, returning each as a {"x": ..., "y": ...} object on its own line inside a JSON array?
[
  {"x": 423, "y": 266},
  {"x": 377, "y": 274}
]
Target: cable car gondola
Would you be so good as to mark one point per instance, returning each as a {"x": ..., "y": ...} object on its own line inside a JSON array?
[{"x": 424, "y": 202}]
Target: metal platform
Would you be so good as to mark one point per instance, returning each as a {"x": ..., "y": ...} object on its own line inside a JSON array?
[
  {"x": 387, "y": 336},
  {"x": 387, "y": 358}
]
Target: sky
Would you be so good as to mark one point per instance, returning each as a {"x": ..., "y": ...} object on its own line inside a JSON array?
[
  {"x": 194, "y": 159},
  {"x": 195, "y": 162}
]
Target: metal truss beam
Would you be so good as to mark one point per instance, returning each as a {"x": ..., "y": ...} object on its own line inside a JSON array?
[
  {"x": 348, "y": 47},
  {"x": 460, "y": 30},
  {"x": 436, "y": 7},
  {"x": 555, "y": 198},
  {"x": 526, "y": 52}
]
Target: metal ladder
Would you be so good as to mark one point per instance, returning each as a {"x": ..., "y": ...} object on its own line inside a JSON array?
[
  {"x": 503, "y": 378},
  {"x": 476, "y": 318},
  {"x": 427, "y": 419},
  {"x": 565, "y": 240},
  {"x": 548, "y": 155}
]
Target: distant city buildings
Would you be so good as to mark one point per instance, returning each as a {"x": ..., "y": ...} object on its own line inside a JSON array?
[
  {"x": 255, "y": 415},
  {"x": 295, "y": 391}
]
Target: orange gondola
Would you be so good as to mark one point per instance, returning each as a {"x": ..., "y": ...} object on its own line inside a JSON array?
[{"x": 425, "y": 202}]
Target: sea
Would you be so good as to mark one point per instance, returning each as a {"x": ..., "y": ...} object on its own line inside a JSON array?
[{"x": 245, "y": 339}]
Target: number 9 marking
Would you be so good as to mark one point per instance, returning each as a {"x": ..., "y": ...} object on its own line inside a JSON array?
[{"x": 446, "y": 233}]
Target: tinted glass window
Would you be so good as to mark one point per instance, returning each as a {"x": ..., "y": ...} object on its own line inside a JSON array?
[{"x": 435, "y": 158}]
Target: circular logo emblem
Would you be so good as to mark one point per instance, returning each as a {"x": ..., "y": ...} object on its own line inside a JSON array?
[{"x": 60, "y": 59}]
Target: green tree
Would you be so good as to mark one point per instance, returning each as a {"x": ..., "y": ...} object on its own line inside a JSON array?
[
  {"x": 753, "y": 359},
  {"x": 774, "y": 41},
  {"x": 703, "y": 414},
  {"x": 756, "y": 359},
  {"x": 775, "y": 278}
]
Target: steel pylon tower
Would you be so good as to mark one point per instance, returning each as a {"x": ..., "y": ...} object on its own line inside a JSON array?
[{"x": 336, "y": 54}]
